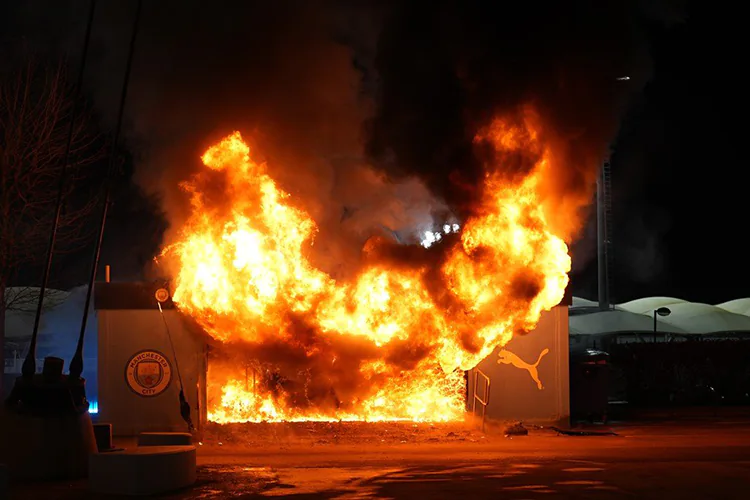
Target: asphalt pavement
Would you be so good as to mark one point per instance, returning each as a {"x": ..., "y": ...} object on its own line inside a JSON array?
[{"x": 695, "y": 460}]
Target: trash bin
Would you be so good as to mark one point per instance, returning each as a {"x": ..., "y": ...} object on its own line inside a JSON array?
[{"x": 589, "y": 385}]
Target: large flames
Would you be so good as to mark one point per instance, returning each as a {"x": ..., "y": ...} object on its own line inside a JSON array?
[{"x": 390, "y": 344}]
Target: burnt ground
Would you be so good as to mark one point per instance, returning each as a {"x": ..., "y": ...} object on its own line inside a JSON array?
[
  {"x": 706, "y": 459},
  {"x": 293, "y": 434}
]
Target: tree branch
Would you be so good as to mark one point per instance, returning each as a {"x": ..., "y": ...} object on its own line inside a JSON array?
[{"x": 36, "y": 103}]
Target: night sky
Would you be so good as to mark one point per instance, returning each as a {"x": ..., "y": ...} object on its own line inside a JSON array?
[
  {"x": 679, "y": 200},
  {"x": 678, "y": 204}
]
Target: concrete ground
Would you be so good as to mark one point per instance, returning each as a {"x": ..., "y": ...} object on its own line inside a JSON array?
[{"x": 707, "y": 459}]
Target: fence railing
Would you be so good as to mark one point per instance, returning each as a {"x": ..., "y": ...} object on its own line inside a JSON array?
[{"x": 691, "y": 373}]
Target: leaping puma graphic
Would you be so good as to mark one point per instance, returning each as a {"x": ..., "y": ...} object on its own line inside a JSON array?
[{"x": 508, "y": 358}]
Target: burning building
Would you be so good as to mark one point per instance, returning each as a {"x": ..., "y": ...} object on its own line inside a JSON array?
[
  {"x": 304, "y": 296},
  {"x": 287, "y": 341}
]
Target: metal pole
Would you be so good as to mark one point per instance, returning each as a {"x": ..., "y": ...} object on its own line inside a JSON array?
[
  {"x": 601, "y": 255},
  {"x": 654, "y": 326},
  {"x": 76, "y": 364},
  {"x": 29, "y": 365}
]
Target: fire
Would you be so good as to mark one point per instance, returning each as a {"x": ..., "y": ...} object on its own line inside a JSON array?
[{"x": 390, "y": 344}]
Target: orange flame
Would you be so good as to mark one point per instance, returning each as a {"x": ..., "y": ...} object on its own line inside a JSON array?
[{"x": 244, "y": 275}]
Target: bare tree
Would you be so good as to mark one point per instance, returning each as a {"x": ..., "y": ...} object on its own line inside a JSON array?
[
  {"x": 25, "y": 298},
  {"x": 35, "y": 115}
]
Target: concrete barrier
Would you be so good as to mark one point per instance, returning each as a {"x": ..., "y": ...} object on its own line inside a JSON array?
[
  {"x": 165, "y": 439},
  {"x": 145, "y": 470},
  {"x": 46, "y": 448}
]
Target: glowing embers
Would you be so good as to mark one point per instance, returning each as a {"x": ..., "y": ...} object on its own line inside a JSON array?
[{"x": 431, "y": 237}]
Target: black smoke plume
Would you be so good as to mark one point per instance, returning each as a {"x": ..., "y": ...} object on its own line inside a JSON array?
[
  {"x": 301, "y": 78},
  {"x": 289, "y": 76},
  {"x": 446, "y": 70}
]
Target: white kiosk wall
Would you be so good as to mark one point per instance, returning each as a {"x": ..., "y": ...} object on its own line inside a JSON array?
[
  {"x": 529, "y": 377},
  {"x": 138, "y": 371}
]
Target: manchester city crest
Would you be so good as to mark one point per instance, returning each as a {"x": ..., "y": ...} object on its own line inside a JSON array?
[{"x": 148, "y": 373}]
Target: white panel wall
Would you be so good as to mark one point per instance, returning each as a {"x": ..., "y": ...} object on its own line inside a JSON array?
[
  {"x": 515, "y": 392},
  {"x": 122, "y": 333}
]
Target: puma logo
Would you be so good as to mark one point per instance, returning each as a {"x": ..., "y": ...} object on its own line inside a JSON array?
[{"x": 508, "y": 358}]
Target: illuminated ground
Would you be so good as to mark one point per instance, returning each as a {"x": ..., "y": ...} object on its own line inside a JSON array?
[
  {"x": 702, "y": 460},
  {"x": 315, "y": 434}
]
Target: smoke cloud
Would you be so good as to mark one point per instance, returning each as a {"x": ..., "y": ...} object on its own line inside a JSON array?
[
  {"x": 300, "y": 79},
  {"x": 367, "y": 116},
  {"x": 447, "y": 71},
  {"x": 643, "y": 254},
  {"x": 290, "y": 76}
]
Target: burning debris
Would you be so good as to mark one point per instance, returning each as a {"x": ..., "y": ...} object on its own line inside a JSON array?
[
  {"x": 392, "y": 343},
  {"x": 338, "y": 433}
]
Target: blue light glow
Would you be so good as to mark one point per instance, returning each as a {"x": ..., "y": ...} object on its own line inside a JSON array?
[{"x": 93, "y": 407}]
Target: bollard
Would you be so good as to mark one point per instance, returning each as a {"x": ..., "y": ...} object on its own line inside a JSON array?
[
  {"x": 103, "y": 435},
  {"x": 52, "y": 370}
]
